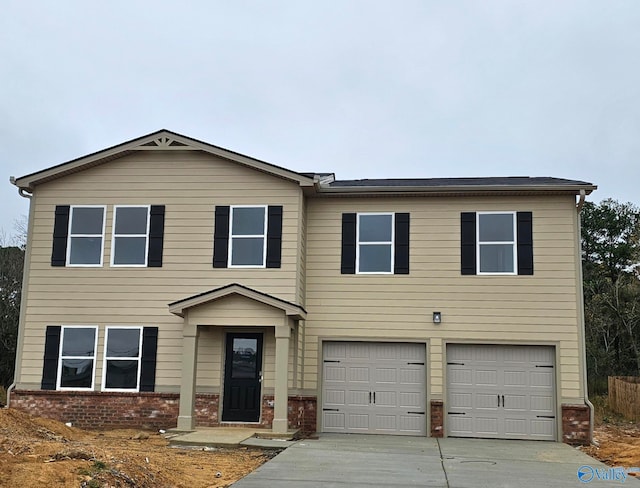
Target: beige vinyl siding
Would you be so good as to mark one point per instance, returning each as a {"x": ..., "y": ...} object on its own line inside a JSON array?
[
  {"x": 519, "y": 309},
  {"x": 190, "y": 184}
]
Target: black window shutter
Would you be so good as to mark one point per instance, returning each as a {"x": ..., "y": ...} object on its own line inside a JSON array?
[
  {"x": 274, "y": 236},
  {"x": 401, "y": 252},
  {"x": 60, "y": 232},
  {"x": 221, "y": 237},
  {"x": 148, "y": 361},
  {"x": 468, "y": 243},
  {"x": 156, "y": 236},
  {"x": 525, "y": 243},
  {"x": 348, "y": 262},
  {"x": 51, "y": 354}
]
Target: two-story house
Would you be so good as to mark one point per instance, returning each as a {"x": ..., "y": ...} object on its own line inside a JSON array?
[{"x": 172, "y": 282}]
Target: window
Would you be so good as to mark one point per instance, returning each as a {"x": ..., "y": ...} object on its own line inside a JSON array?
[
  {"x": 247, "y": 243},
  {"x": 122, "y": 354},
  {"x": 497, "y": 243},
  {"x": 77, "y": 358},
  {"x": 130, "y": 236},
  {"x": 375, "y": 243},
  {"x": 86, "y": 236}
]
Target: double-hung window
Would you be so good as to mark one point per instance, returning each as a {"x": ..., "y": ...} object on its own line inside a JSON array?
[
  {"x": 130, "y": 235},
  {"x": 496, "y": 237},
  {"x": 86, "y": 236},
  {"x": 122, "y": 354},
  {"x": 375, "y": 243},
  {"x": 77, "y": 358},
  {"x": 248, "y": 236}
]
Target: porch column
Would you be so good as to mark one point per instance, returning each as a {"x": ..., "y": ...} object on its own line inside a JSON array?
[
  {"x": 281, "y": 397},
  {"x": 188, "y": 382}
]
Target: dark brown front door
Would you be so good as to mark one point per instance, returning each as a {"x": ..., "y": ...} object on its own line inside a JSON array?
[{"x": 242, "y": 376}]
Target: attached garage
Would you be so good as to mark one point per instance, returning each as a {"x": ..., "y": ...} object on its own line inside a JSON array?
[
  {"x": 374, "y": 388},
  {"x": 501, "y": 391}
]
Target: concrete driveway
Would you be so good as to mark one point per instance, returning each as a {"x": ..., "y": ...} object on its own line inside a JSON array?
[{"x": 354, "y": 461}]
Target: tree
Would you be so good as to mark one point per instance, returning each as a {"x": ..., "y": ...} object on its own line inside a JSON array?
[
  {"x": 11, "y": 266},
  {"x": 611, "y": 253}
]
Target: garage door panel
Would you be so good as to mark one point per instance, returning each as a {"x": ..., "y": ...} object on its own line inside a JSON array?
[
  {"x": 487, "y": 426},
  {"x": 411, "y": 424},
  {"x": 385, "y": 375},
  {"x": 502, "y": 390},
  {"x": 335, "y": 373},
  {"x": 459, "y": 401},
  {"x": 358, "y": 374},
  {"x": 515, "y": 378},
  {"x": 486, "y": 401},
  {"x": 358, "y": 422},
  {"x": 335, "y": 398},
  {"x": 356, "y": 398},
  {"x": 333, "y": 421},
  {"x": 459, "y": 376},
  {"x": 488, "y": 377},
  {"x": 543, "y": 379},
  {"x": 384, "y": 387},
  {"x": 411, "y": 400},
  {"x": 411, "y": 377}
]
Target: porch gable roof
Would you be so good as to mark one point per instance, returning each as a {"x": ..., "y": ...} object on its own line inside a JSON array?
[{"x": 290, "y": 309}]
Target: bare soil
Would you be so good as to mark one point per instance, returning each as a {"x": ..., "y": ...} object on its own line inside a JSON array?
[
  {"x": 36, "y": 451},
  {"x": 618, "y": 439}
]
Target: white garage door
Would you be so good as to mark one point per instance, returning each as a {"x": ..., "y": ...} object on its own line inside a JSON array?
[
  {"x": 502, "y": 392},
  {"x": 374, "y": 388}
]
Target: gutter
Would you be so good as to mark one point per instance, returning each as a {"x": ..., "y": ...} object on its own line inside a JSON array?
[
  {"x": 452, "y": 189},
  {"x": 583, "y": 346},
  {"x": 23, "y": 192}
]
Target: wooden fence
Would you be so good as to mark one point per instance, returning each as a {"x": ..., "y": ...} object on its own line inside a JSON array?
[{"x": 624, "y": 396}]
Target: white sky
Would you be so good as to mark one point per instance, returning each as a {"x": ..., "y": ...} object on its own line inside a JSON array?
[{"x": 361, "y": 88}]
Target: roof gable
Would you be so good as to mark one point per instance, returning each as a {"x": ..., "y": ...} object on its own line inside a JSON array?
[
  {"x": 291, "y": 309},
  {"x": 162, "y": 140}
]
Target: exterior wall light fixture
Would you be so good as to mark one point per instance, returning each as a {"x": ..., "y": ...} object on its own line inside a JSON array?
[{"x": 437, "y": 317}]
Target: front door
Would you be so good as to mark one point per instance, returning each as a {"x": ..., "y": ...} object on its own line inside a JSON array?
[{"x": 242, "y": 377}]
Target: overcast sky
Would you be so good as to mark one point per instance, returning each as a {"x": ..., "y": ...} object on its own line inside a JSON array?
[{"x": 361, "y": 88}]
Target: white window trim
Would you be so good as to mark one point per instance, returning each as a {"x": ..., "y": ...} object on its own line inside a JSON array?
[
  {"x": 263, "y": 236},
  {"x": 514, "y": 243},
  {"x": 114, "y": 236},
  {"x": 391, "y": 243},
  {"x": 69, "y": 236},
  {"x": 119, "y": 358},
  {"x": 94, "y": 357}
]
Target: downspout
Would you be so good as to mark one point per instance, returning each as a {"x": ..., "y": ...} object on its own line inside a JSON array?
[
  {"x": 24, "y": 193},
  {"x": 582, "y": 330}
]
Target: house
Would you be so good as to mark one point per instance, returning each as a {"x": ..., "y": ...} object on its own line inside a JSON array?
[{"x": 170, "y": 282}]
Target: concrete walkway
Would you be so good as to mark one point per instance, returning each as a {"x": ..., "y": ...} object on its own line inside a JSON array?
[
  {"x": 229, "y": 437},
  {"x": 359, "y": 461}
]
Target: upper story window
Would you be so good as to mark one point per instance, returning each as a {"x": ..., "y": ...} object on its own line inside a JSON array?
[
  {"x": 137, "y": 235},
  {"x": 375, "y": 243},
  {"x": 497, "y": 243},
  {"x": 86, "y": 236},
  {"x": 122, "y": 354},
  {"x": 130, "y": 236},
  {"x": 77, "y": 358},
  {"x": 248, "y": 235}
]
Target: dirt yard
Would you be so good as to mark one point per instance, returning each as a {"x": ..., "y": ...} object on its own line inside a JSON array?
[
  {"x": 618, "y": 439},
  {"x": 36, "y": 451},
  {"x": 42, "y": 452}
]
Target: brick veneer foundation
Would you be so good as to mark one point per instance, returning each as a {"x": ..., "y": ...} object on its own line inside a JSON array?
[
  {"x": 437, "y": 418},
  {"x": 93, "y": 409},
  {"x": 576, "y": 424}
]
